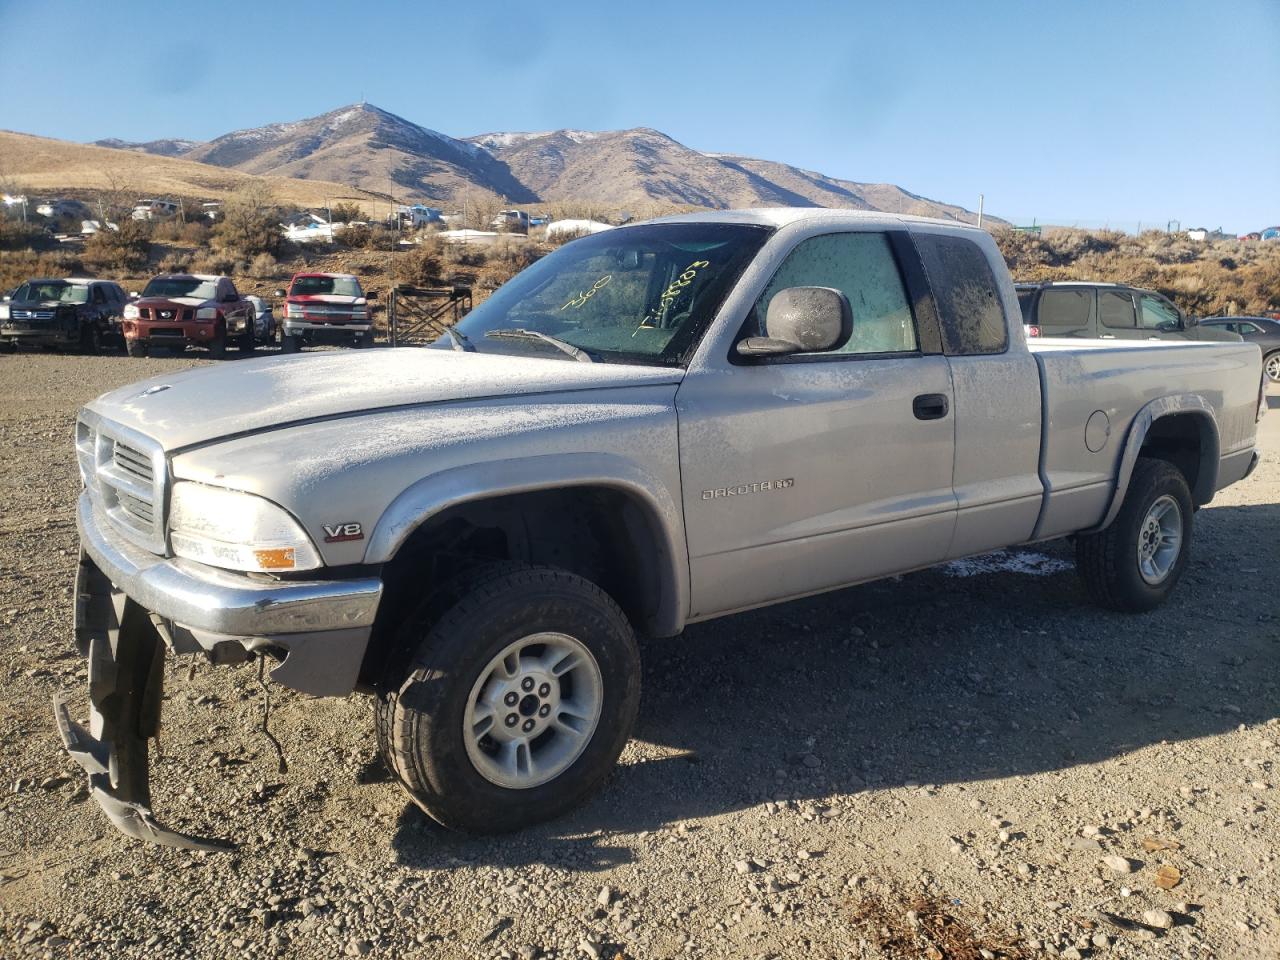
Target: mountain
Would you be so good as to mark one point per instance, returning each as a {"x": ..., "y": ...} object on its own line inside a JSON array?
[
  {"x": 369, "y": 148},
  {"x": 636, "y": 170},
  {"x": 159, "y": 148}
]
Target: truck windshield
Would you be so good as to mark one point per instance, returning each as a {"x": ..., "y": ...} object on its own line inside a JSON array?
[
  {"x": 325, "y": 286},
  {"x": 641, "y": 294},
  {"x": 51, "y": 292},
  {"x": 181, "y": 287}
]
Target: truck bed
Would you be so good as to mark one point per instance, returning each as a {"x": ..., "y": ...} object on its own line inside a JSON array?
[{"x": 1111, "y": 383}]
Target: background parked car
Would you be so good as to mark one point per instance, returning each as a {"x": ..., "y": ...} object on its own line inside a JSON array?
[
  {"x": 324, "y": 308},
  {"x": 177, "y": 310},
  {"x": 75, "y": 312},
  {"x": 264, "y": 320},
  {"x": 1107, "y": 311},
  {"x": 1263, "y": 331}
]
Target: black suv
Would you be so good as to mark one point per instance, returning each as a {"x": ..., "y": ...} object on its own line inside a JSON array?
[
  {"x": 1109, "y": 311},
  {"x": 69, "y": 312}
]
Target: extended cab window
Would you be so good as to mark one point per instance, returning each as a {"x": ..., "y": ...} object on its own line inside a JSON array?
[
  {"x": 1158, "y": 314},
  {"x": 862, "y": 267},
  {"x": 1065, "y": 313},
  {"x": 1115, "y": 309},
  {"x": 966, "y": 293}
]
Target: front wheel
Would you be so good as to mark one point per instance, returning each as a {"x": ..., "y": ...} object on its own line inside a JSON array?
[
  {"x": 246, "y": 342},
  {"x": 518, "y": 700},
  {"x": 218, "y": 345},
  {"x": 1272, "y": 365},
  {"x": 290, "y": 343},
  {"x": 135, "y": 348},
  {"x": 91, "y": 339},
  {"x": 1134, "y": 564}
]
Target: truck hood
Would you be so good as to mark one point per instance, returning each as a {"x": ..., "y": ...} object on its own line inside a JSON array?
[
  {"x": 245, "y": 396},
  {"x": 171, "y": 301}
]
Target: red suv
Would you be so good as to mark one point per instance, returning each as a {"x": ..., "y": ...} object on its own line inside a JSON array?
[
  {"x": 183, "y": 309},
  {"x": 325, "y": 308}
]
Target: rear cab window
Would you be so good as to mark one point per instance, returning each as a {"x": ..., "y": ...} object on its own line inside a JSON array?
[{"x": 966, "y": 293}]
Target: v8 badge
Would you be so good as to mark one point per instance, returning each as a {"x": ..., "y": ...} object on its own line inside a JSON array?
[{"x": 342, "y": 532}]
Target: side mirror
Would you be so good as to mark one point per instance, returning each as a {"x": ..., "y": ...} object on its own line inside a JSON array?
[
  {"x": 371, "y": 295},
  {"x": 802, "y": 320},
  {"x": 134, "y": 294},
  {"x": 281, "y": 293}
]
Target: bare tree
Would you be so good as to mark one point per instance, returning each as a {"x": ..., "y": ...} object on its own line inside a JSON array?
[{"x": 116, "y": 197}]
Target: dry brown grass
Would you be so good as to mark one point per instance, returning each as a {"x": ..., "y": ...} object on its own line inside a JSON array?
[
  {"x": 1204, "y": 279},
  {"x": 927, "y": 928},
  {"x": 42, "y": 166}
]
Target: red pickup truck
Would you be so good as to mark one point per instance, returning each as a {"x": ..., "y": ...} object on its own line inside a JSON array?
[
  {"x": 325, "y": 308},
  {"x": 182, "y": 309}
]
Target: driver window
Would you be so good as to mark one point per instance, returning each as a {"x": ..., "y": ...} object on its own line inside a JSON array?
[
  {"x": 98, "y": 295},
  {"x": 862, "y": 267},
  {"x": 1156, "y": 313}
]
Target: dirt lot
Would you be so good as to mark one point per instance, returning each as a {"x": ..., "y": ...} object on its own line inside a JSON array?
[{"x": 947, "y": 765}]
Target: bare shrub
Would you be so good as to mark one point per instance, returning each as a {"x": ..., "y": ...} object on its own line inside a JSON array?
[
  {"x": 124, "y": 249},
  {"x": 22, "y": 265},
  {"x": 345, "y": 213},
  {"x": 423, "y": 266},
  {"x": 17, "y": 235},
  {"x": 263, "y": 267},
  {"x": 250, "y": 223}
]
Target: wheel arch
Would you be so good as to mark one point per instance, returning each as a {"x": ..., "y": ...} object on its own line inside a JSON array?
[
  {"x": 625, "y": 505},
  {"x": 1181, "y": 429}
]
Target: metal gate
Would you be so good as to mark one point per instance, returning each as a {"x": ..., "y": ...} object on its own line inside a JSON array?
[{"x": 418, "y": 315}]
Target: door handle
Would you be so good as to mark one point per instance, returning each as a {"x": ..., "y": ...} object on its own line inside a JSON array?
[
  {"x": 1107, "y": 336},
  {"x": 930, "y": 406}
]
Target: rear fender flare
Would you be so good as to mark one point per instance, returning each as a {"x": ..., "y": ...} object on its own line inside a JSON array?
[
  {"x": 438, "y": 492},
  {"x": 1207, "y": 476}
]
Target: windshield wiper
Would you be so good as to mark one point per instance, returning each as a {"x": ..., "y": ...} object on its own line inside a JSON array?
[
  {"x": 459, "y": 340},
  {"x": 562, "y": 345}
]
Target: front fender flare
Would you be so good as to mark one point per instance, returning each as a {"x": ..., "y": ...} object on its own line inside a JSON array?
[
  {"x": 1184, "y": 403},
  {"x": 438, "y": 492}
]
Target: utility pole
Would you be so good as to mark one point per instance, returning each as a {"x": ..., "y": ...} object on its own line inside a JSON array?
[{"x": 981, "y": 199}]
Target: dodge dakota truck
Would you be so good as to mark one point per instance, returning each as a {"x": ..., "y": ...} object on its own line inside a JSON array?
[{"x": 653, "y": 426}]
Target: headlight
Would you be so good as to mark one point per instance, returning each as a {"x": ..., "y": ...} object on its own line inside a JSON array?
[
  {"x": 207, "y": 313},
  {"x": 130, "y": 312},
  {"x": 236, "y": 531},
  {"x": 359, "y": 314}
]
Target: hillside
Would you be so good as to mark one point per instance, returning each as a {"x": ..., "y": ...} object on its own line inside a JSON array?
[
  {"x": 39, "y": 165},
  {"x": 366, "y": 146},
  {"x": 632, "y": 170}
]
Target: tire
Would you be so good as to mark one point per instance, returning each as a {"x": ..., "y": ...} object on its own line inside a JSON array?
[
  {"x": 457, "y": 778},
  {"x": 1271, "y": 364},
  {"x": 1111, "y": 561},
  {"x": 91, "y": 339},
  {"x": 218, "y": 345},
  {"x": 135, "y": 348},
  {"x": 289, "y": 343},
  {"x": 246, "y": 343},
  {"x": 365, "y": 339}
]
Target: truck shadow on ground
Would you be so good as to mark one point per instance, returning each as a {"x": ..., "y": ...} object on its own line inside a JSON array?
[{"x": 953, "y": 675}]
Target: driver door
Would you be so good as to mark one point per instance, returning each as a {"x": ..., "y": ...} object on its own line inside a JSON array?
[{"x": 814, "y": 471}]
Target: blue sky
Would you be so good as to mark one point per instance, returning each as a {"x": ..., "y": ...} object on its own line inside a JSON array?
[{"x": 1091, "y": 112}]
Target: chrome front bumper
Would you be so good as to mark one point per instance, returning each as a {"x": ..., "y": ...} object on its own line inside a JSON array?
[
  {"x": 306, "y": 326},
  {"x": 215, "y": 601},
  {"x": 131, "y": 605}
]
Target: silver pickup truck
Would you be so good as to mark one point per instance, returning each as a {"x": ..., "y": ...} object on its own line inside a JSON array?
[{"x": 652, "y": 426}]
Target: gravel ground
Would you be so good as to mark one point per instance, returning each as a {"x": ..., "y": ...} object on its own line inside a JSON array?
[{"x": 966, "y": 762}]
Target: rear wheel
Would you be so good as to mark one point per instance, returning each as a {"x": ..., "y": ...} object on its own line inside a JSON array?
[
  {"x": 1271, "y": 364},
  {"x": 136, "y": 348},
  {"x": 517, "y": 700},
  {"x": 1134, "y": 564}
]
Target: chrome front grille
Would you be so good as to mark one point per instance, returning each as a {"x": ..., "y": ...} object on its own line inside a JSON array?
[
  {"x": 32, "y": 314},
  {"x": 126, "y": 476}
]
